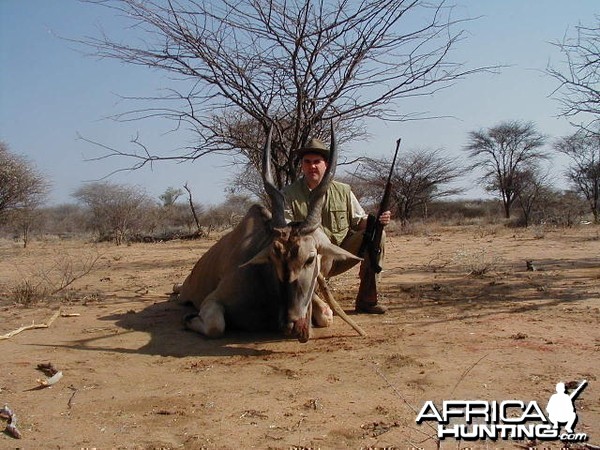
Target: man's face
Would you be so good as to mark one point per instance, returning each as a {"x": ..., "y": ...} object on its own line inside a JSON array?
[{"x": 313, "y": 168}]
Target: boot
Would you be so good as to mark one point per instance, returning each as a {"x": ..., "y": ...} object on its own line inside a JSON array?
[{"x": 370, "y": 308}]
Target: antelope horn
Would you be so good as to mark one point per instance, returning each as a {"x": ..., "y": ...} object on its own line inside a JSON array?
[
  {"x": 275, "y": 195},
  {"x": 336, "y": 306},
  {"x": 315, "y": 207}
]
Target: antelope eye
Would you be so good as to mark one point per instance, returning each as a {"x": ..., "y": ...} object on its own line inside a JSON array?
[{"x": 310, "y": 260}]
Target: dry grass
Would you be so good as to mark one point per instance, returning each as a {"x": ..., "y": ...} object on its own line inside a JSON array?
[{"x": 51, "y": 279}]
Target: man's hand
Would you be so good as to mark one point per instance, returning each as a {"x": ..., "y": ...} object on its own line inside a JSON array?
[{"x": 385, "y": 218}]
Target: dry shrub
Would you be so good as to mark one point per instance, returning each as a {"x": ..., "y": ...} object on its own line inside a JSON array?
[
  {"x": 538, "y": 231},
  {"x": 476, "y": 262},
  {"x": 394, "y": 228},
  {"x": 46, "y": 282},
  {"x": 437, "y": 263},
  {"x": 484, "y": 231},
  {"x": 28, "y": 293},
  {"x": 66, "y": 269},
  {"x": 416, "y": 228}
]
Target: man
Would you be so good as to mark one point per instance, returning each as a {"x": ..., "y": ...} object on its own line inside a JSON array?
[
  {"x": 343, "y": 220},
  {"x": 561, "y": 410}
]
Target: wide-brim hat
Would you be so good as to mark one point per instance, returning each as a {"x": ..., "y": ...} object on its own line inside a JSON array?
[{"x": 314, "y": 145}]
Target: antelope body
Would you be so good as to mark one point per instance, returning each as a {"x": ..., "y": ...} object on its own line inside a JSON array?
[{"x": 262, "y": 275}]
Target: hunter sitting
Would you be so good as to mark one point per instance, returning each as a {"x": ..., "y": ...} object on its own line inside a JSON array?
[{"x": 343, "y": 219}]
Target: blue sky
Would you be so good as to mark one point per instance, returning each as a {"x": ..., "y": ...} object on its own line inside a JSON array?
[{"x": 50, "y": 92}]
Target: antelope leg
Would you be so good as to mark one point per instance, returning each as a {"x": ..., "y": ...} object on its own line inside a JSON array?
[{"x": 336, "y": 306}]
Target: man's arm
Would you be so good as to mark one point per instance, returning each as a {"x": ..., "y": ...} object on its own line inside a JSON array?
[{"x": 358, "y": 216}]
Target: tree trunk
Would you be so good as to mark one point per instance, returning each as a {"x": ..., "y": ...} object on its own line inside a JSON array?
[
  {"x": 506, "y": 210},
  {"x": 185, "y": 186},
  {"x": 25, "y": 235}
]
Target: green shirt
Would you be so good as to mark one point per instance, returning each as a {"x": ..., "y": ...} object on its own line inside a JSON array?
[{"x": 341, "y": 211}]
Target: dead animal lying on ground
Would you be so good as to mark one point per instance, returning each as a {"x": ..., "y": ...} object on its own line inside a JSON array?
[{"x": 262, "y": 275}]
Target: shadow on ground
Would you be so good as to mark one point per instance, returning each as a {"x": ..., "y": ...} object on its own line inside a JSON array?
[
  {"x": 452, "y": 296},
  {"x": 164, "y": 335}
]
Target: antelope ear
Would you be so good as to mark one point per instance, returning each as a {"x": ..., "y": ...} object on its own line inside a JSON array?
[
  {"x": 337, "y": 253},
  {"x": 261, "y": 257}
]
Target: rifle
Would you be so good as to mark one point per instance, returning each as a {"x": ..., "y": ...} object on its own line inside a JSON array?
[
  {"x": 371, "y": 243},
  {"x": 576, "y": 392}
]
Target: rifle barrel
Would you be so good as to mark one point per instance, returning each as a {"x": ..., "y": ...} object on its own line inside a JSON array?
[
  {"x": 394, "y": 160},
  {"x": 383, "y": 206},
  {"x": 576, "y": 392}
]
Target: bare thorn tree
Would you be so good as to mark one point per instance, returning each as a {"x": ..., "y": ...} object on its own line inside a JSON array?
[
  {"x": 21, "y": 185},
  {"x": 579, "y": 82},
  {"x": 419, "y": 178},
  {"x": 117, "y": 210},
  {"x": 22, "y": 190},
  {"x": 584, "y": 171},
  {"x": 531, "y": 185},
  {"x": 502, "y": 152},
  {"x": 242, "y": 66}
]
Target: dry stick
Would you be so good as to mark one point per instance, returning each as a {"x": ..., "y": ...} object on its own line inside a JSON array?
[
  {"x": 70, "y": 402},
  {"x": 336, "y": 306},
  {"x": 399, "y": 394},
  {"x": 591, "y": 446},
  {"x": 31, "y": 327},
  {"x": 464, "y": 374}
]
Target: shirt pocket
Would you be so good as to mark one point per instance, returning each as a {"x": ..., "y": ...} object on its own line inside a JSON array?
[{"x": 339, "y": 220}]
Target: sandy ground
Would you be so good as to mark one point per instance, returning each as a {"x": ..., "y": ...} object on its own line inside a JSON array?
[{"x": 134, "y": 378}]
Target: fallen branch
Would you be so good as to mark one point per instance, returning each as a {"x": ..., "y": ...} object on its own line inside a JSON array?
[
  {"x": 336, "y": 306},
  {"x": 33, "y": 326}
]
